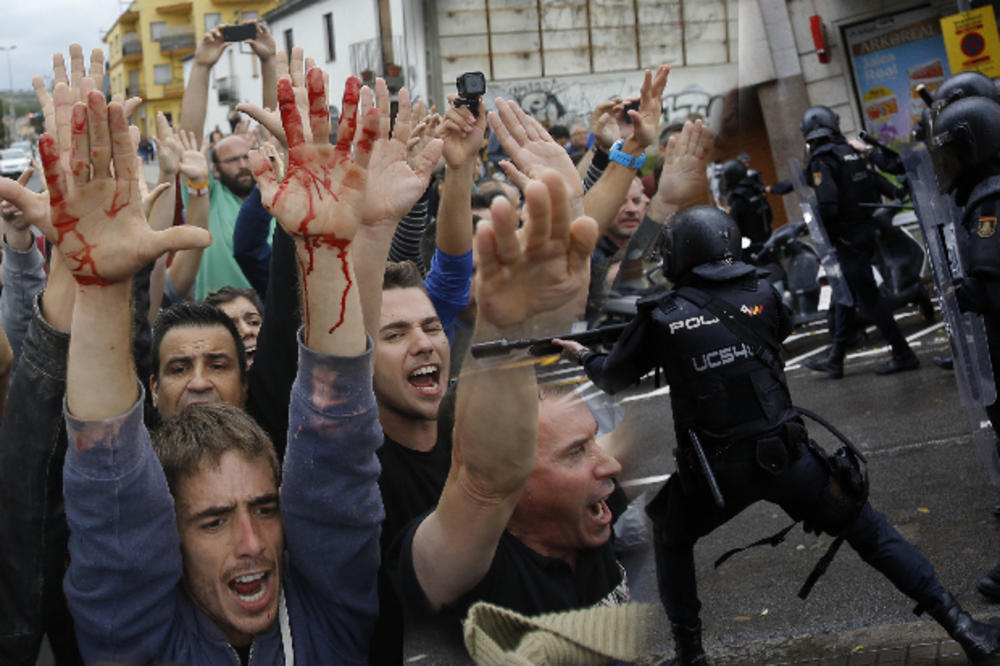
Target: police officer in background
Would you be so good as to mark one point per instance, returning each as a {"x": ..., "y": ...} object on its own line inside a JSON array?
[
  {"x": 965, "y": 148},
  {"x": 843, "y": 180},
  {"x": 730, "y": 398},
  {"x": 747, "y": 202}
]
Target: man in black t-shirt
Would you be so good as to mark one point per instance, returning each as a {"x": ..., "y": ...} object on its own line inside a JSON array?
[{"x": 524, "y": 519}]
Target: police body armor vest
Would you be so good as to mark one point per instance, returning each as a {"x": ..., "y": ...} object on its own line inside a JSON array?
[
  {"x": 719, "y": 387},
  {"x": 855, "y": 180},
  {"x": 980, "y": 221}
]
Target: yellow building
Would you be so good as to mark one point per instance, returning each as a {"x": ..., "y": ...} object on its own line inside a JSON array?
[{"x": 148, "y": 42}]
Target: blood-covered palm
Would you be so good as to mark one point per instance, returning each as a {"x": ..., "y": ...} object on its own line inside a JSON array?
[
  {"x": 320, "y": 199},
  {"x": 316, "y": 202},
  {"x": 97, "y": 251}
]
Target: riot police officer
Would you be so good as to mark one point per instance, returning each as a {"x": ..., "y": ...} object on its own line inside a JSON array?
[
  {"x": 731, "y": 402},
  {"x": 965, "y": 147},
  {"x": 747, "y": 202},
  {"x": 843, "y": 180}
]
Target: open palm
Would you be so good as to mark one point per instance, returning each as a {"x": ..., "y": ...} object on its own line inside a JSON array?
[
  {"x": 97, "y": 221},
  {"x": 523, "y": 275}
]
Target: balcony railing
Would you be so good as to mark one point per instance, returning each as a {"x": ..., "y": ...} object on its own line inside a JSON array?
[
  {"x": 131, "y": 44},
  {"x": 175, "y": 39},
  {"x": 135, "y": 91}
]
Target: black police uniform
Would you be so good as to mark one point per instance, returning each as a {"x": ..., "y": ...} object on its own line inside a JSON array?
[
  {"x": 749, "y": 209},
  {"x": 980, "y": 291},
  {"x": 843, "y": 180},
  {"x": 741, "y": 410}
]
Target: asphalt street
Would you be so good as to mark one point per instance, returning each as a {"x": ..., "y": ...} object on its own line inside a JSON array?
[{"x": 925, "y": 476}]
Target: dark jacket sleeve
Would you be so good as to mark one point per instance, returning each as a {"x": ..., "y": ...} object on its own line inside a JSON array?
[
  {"x": 250, "y": 248},
  {"x": 628, "y": 360},
  {"x": 276, "y": 360},
  {"x": 32, "y": 521},
  {"x": 821, "y": 176}
]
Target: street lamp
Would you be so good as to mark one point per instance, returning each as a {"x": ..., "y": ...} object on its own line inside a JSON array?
[{"x": 10, "y": 84}]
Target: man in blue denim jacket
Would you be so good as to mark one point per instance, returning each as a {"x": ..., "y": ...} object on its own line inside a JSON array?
[{"x": 212, "y": 573}]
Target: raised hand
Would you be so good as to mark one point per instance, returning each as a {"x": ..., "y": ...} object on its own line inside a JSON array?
[
  {"x": 646, "y": 121},
  {"x": 533, "y": 150},
  {"x": 463, "y": 133},
  {"x": 683, "y": 179},
  {"x": 168, "y": 148},
  {"x": 271, "y": 119},
  {"x": 323, "y": 191},
  {"x": 21, "y": 208},
  {"x": 193, "y": 163},
  {"x": 210, "y": 47},
  {"x": 96, "y": 217},
  {"x": 263, "y": 44},
  {"x": 422, "y": 133},
  {"x": 603, "y": 123},
  {"x": 393, "y": 185},
  {"x": 529, "y": 275}
]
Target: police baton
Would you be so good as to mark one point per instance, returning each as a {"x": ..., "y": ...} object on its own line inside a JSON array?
[
  {"x": 545, "y": 346},
  {"x": 713, "y": 485}
]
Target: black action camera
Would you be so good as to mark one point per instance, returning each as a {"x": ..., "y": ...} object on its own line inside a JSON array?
[
  {"x": 239, "y": 33},
  {"x": 471, "y": 86}
]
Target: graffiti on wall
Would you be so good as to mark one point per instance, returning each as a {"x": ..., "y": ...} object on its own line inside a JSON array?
[{"x": 567, "y": 101}]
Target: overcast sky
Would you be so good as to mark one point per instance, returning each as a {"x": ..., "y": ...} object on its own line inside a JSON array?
[{"x": 39, "y": 28}]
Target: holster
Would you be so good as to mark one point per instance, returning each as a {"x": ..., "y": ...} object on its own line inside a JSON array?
[{"x": 776, "y": 452}]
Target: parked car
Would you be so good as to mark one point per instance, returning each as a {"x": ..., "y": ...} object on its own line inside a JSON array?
[
  {"x": 14, "y": 161},
  {"x": 26, "y": 146}
]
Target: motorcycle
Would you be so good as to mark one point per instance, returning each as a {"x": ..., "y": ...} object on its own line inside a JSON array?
[
  {"x": 793, "y": 267},
  {"x": 899, "y": 262}
]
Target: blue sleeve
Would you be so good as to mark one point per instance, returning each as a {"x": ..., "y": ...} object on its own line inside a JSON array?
[
  {"x": 447, "y": 284},
  {"x": 331, "y": 506},
  {"x": 250, "y": 247},
  {"x": 23, "y": 279},
  {"x": 125, "y": 553}
]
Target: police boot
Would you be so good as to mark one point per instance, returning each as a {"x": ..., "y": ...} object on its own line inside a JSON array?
[
  {"x": 687, "y": 646},
  {"x": 980, "y": 640},
  {"x": 989, "y": 585},
  {"x": 902, "y": 359},
  {"x": 832, "y": 365}
]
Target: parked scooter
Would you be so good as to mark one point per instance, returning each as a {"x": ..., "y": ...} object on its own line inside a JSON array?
[
  {"x": 794, "y": 269},
  {"x": 900, "y": 261}
]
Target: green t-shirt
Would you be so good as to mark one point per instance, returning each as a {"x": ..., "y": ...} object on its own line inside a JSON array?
[{"x": 218, "y": 267}]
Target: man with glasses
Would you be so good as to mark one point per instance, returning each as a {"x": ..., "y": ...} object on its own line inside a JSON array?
[{"x": 231, "y": 180}]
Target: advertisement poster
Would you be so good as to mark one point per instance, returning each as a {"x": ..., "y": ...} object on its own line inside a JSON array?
[
  {"x": 971, "y": 41},
  {"x": 890, "y": 57}
]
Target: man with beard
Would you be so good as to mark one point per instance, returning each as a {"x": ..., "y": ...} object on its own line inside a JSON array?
[
  {"x": 231, "y": 180},
  {"x": 611, "y": 246}
]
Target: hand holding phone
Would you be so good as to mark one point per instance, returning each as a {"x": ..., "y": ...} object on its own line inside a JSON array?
[{"x": 239, "y": 33}]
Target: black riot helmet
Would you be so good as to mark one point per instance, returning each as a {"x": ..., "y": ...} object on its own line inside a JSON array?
[
  {"x": 704, "y": 241},
  {"x": 963, "y": 135},
  {"x": 733, "y": 172},
  {"x": 819, "y": 122},
  {"x": 966, "y": 84}
]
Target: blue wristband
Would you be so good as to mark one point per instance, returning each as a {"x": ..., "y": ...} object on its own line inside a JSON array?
[
  {"x": 590, "y": 140},
  {"x": 630, "y": 161}
]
